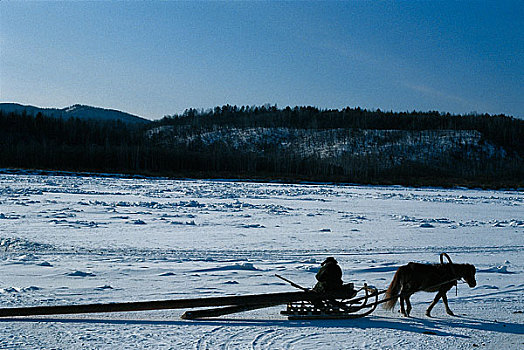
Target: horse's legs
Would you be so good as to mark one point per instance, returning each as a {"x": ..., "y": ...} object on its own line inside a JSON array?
[
  {"x": 408, "y": 305},
  {"x": 445, "y": 300},
  {"x": 433, "y": 303},
  {"x": 402, "y": 309},
  {"x": 405, "y": 310}
]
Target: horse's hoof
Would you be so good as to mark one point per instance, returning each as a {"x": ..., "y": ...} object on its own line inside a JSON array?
[
  {"x": 450, "y": 313},
  {"x": 428, "y": 314}
]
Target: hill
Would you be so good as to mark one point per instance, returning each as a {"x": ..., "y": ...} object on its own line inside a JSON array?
[
  {"x": 75, "y": 111},
  {"x": 266, "y": 143}
]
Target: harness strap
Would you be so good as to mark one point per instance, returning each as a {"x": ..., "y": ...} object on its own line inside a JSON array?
[
  {"x": 442, "y": 255},
  {"x": 445, "y": 282}
]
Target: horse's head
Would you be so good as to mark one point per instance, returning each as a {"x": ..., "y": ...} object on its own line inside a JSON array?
[{"x": 468, "y": 274}]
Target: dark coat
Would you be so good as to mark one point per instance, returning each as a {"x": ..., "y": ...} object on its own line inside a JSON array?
[{"x": 329, "y": 277}]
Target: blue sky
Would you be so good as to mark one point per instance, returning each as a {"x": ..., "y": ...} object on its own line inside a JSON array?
[{"x": 158, "y": 58}]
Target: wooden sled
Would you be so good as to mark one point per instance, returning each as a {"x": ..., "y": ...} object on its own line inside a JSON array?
[{"x": 357, "y": 305}]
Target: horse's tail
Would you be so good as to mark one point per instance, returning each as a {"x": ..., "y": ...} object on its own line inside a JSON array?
[{"x": 392, "y": 292}]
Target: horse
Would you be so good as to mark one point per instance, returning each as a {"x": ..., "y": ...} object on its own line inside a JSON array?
[{"x": 415, "y": 277}]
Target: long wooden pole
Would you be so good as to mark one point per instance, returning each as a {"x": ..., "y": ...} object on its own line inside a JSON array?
[
  {"x": 244, "y": 300},
  {"x": 222, "y": 311}
]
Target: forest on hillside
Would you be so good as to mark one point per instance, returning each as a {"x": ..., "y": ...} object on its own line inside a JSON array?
[{"x": 291, "y": 144}]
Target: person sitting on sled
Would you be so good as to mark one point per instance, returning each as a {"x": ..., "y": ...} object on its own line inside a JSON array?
[{"x": 329, "y": 278}]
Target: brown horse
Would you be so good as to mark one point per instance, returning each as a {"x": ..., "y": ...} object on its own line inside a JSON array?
[{"x": 415, "y": 277}]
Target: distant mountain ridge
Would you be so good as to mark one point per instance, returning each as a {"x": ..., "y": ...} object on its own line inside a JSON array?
[{"x": 75, "y": 111}]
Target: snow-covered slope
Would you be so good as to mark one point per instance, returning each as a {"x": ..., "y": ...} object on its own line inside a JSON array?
[
  {"x": 75, "y": 111},
  {"x": 388, "y": 148},
  {"x": 74, "y": 239}
]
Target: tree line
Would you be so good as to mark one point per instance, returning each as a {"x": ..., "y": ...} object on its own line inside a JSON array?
[
  {"x": 42, "y": 142},
  {"x": 196, "y": 144}
]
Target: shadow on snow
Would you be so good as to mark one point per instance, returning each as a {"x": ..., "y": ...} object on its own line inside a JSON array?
[{"x": 431, "y": 326}]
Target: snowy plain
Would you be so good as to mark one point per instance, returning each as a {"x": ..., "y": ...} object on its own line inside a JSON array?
[{"x": 87, "y": 239}]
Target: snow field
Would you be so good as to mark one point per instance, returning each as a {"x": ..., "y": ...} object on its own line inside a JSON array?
[{"x": 73, "y": 239}]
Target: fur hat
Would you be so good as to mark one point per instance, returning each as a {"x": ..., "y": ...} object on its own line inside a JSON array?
[{"x": 329, "y": 259}]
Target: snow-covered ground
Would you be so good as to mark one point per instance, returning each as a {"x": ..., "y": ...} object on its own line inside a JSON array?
[{"x": 73, "y": 240}]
